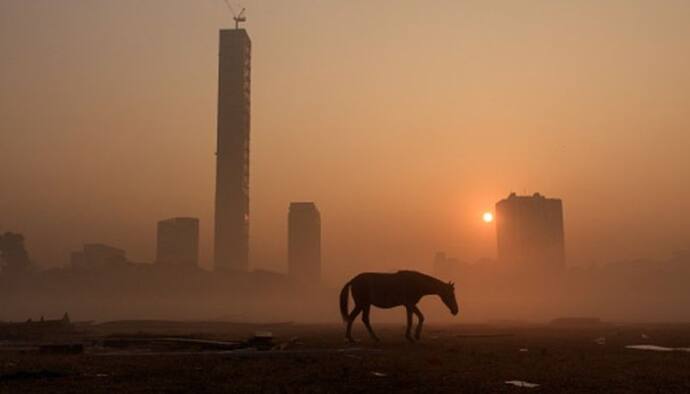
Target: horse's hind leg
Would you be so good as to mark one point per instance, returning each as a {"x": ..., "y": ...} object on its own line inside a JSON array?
[
  {"x": 409, "y": 323},
  {"x": 350, "y": 319},
  {"x": 365, "y": 319},
  {"x": 420, "y": 318}
]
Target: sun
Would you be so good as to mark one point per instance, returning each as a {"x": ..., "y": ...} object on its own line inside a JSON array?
[{"x": 488, "y": 217}]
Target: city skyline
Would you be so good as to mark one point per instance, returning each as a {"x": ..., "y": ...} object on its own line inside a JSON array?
[
  {"x": 486, "y": 130},
  {"x": 474, "y": 195}
]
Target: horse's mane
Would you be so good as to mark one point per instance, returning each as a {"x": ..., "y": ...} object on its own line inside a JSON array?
[{"x": 426, "y": 277}]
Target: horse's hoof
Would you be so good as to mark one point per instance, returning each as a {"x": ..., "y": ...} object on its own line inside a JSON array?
[{"x": 410, "y": 339}]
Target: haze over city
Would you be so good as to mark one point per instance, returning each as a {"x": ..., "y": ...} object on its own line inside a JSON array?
[
  {"x": 344, "y": 196},
  {"x": 405, "y": 122}
]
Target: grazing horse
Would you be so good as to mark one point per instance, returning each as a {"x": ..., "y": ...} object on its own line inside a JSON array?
[{"x": 403, "y": 288}]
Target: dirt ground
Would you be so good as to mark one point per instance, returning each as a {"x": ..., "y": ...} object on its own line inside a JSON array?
[{"x": 315, "y": 359}]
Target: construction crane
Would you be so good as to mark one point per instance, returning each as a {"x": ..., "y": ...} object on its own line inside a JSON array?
[{"x": 237, "y": 17}]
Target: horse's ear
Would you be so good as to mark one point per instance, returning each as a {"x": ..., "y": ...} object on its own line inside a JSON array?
[{"x": 451, "y": 284}]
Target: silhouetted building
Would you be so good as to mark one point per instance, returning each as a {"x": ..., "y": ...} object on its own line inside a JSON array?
[
  {"x": 37, "y": 330},
  {"x": 304, "y": 242},
  {"x": 529, "y": 231},
  {"x": 178, "y": 242},
  {"x": 97, "y": 256},
  {"x": 13, "y": 255},
  {"x": 231, "y": 245}
]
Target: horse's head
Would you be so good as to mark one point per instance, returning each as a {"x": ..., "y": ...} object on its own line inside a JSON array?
[{"x": 448, "y": 297}]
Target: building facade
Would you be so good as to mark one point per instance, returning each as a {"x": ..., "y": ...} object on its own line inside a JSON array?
[
  {"x": 304, "y": 242},
  {"x": 530, "y": 233},
  {"x": 178, "y": 242},
  {"x": 231, "y": 237}
]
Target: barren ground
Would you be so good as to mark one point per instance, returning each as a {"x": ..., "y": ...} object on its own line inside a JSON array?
[{"x": 315, "y": 359}]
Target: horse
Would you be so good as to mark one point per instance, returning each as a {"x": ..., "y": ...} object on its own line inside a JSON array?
[{"x": 388, "y": 290}]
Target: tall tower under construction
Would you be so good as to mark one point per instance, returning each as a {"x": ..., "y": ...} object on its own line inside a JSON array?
[{"x": 231, "y": 243}]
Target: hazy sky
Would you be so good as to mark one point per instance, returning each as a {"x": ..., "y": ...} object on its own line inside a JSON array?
[{"x": 402, "y": 120}]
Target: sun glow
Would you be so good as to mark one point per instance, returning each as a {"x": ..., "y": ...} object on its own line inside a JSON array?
[{"x": 488, "y": 217}]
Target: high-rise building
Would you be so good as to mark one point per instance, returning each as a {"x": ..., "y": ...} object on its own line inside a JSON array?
[
  {"x": 304, "y": 242},
  {"x": 231, "y": 244},
  {"x": 178, "y": 242},
  {"x": 530, "y": 234}
]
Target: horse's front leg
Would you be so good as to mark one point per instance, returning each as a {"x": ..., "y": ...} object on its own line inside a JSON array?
[
  {"x": 409, "y": 323},
  {"x": 420, "y": 319}
]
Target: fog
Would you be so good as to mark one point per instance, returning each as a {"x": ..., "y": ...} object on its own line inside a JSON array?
[{"x": 404, "y": 123}]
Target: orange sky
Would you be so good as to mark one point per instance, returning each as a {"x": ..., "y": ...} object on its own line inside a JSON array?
[{"x": 402, "y": 120}]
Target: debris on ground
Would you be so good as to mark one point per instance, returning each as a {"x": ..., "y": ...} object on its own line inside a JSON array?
[
  {"x": 600, "y": 341},
  {"x": 294, "y": 341},
  {"x": 262, "y": 340},
  {"x": 379, "y": 374}
]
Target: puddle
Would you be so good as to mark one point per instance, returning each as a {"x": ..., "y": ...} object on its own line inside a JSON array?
[
  {"x": 521, "y": 383},
  {"x": 655, "y": 348},
  {"x": 379, "y": 374}
]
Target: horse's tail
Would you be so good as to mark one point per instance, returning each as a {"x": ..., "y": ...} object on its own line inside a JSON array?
[{"x": 343, "y": 300}]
